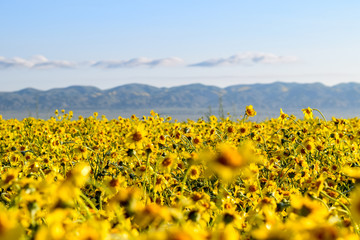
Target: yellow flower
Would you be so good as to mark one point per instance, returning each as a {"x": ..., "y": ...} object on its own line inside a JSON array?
[
  {"x": 197, "y": 140},
  {"x": 9, "y": 227},
  {"x": 353, "y": 172},
  {"x": 160, "y": 183},
  {"x": 151, "y": 214},
  {"x": 355, "y": 205},
  {"x": 168, "y": 162},
  {"x": 311, "y": 209},
  {"x": 10, "y": 177},
  {"x": 136, "y": 137},
  {"x": 81, "y": 151},
  {"x": 227, "y": 162},
  {"x": 283, "y": 116},
  {"x": 308, "y": 113},
  {"x": 226, "y": 233},
  {"x": 229, "y": 157},
  {"x": 79, "y": 174},
  {"x": 213, "y": 119},
  {"x": 153, "y": 113},
  {"x": 279, "y": 232},
  {"x": 250, "y": 112},
  {"x": 194, "y": 172}
]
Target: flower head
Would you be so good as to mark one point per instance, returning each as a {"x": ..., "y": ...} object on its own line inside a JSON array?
[
  {"x": 250, "y": 112},
  {"x": 283, "y": 116},
  {"x": 308, "y": 113}
]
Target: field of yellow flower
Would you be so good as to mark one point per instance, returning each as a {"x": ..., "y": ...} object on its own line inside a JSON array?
[{"x": 155, "y": 178}]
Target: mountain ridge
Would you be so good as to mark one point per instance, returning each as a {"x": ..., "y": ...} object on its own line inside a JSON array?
[{"x": 271, "y": 96}]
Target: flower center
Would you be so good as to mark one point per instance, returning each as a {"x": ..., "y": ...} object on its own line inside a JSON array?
[{"x": 137, "y": 136}]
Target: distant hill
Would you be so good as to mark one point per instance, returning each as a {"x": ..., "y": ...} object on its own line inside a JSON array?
[{"x": 269, "y": 97}]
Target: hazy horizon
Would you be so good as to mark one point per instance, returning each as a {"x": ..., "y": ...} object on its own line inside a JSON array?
[{"x": 180, "y": 114}]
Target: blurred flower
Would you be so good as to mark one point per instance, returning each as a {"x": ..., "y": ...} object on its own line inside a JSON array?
[
  {"x": 250, "y": 112},
  {"x": 308, "y": 113}
]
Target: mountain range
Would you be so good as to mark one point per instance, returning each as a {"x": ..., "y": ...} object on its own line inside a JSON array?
[{"x": 268, "y": 97}]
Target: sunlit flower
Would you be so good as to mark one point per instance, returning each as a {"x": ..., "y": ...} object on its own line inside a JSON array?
[
  {"x": 136, "y": 137},
  {"x": 283, "y": 116},
  {"x": 308, "y": 113},
  {"x": 194, "y": 172}
]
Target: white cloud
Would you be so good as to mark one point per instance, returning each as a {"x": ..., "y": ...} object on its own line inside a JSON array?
[
  {"x": 41, "y": 62},
  {"x": 247, "y": 58},
  {"x": 37, "y": 62},
  {"x": 8, "y": 63},
  {"x": 138, "y": 62}
]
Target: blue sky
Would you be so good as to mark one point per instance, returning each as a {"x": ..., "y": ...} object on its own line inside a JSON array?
[{"x": 50, "y": 44}]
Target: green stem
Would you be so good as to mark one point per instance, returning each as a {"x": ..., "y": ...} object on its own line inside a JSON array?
[
  {"x": 100, "y": 203},
  {"x": 154, "y": 183},
  {"x": 183, "y": 182},
  {"x": 88, "y": 201},
  {"x": 332, "y": 189},
  {"x": 42, "y": 173},
  {"x": 345, "y": 208},
  {"x": 322, "y": 115},
  {"x": 189, "y": 142},
  {"x": 137, "y": 158}
]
